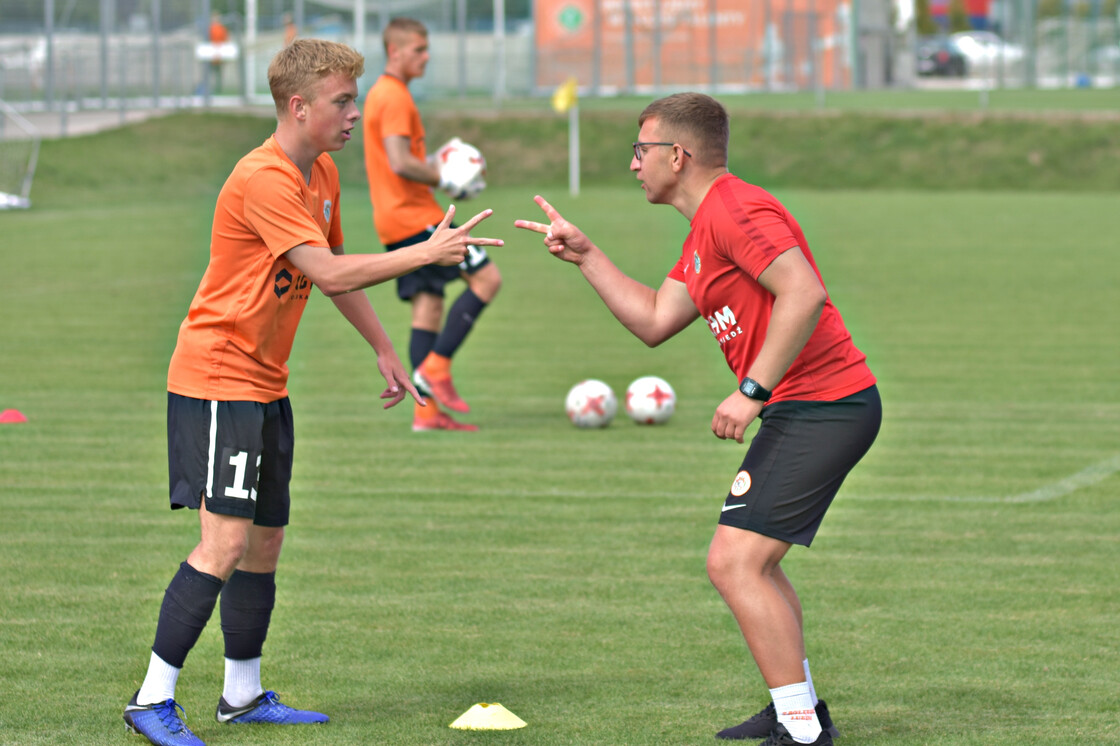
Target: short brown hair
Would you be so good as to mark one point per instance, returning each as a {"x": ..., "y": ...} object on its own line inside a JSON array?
[
  {"x": 696, "y": 121},
  {"x": 399, "y": 26},
  {"x": 299, "y": 66}
]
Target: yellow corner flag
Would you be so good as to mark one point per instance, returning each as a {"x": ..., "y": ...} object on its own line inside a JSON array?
[{"x": 565, "y": 96}]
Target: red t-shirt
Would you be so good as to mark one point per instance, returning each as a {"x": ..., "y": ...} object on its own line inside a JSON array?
[
  {"x": 236, "y": 339},
  {"x": 737, "y": 231}
]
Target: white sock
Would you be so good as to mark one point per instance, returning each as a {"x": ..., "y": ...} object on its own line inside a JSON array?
[
  {"x": 809, "y": 681},
  {"x": 795, "y": 711},
  {"x": 243, "y": 682},
  {"x": 159, "y": 682}
]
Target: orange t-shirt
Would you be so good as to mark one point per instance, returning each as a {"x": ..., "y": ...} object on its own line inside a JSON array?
[
  {"x": 218, "y": 33},
  {"x": 236, "y": 339},
  {"x": 401, "y": 207}
]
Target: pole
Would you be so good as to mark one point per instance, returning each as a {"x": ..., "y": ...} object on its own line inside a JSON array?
[
  {"x": 499, "y": 50},
  {"x": 208, "y": 72},
  {"x": 107, "y": 15},
  {"x": 249, "y": 53},
  {"x": 856, "y": 46},
  {"x": 461, "y": 45},
  {"x": 157, "y": 23},
  {"x": 573, "y": 150},
  {"x": 359, "y": 25},
  {"x": 48, "y": 31}
]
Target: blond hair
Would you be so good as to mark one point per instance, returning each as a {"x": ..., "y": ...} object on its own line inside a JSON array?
[
  {"x": 696, "y": 121},
  {"x": 298, "y": 67},
  {"x": 398, "y": 27}
]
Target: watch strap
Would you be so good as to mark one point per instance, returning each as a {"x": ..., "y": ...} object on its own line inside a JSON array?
[{"x": 752, "y": 389}]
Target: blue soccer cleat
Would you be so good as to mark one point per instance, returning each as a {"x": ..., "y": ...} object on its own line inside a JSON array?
[
  {"x": 266, "y": 708},
  {"x": 160, "y": 723}
]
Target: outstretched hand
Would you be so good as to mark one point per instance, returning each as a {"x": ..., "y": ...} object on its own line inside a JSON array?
[
  {"x": 398, "y": 380},
  {"x": 450, "y": 244},
  {"x": 563, "y": 239}
]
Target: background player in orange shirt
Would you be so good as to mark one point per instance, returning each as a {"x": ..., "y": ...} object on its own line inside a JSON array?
[
  {"x": 290, "y": 30},
  {"x": 276, "y": 233},
  {"x": 404, "y": 211},
  {"x": 219, "y": 35},
  {"x": 747, "y": 269}
]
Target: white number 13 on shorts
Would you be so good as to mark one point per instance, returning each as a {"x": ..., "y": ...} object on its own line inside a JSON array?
[{"x": 239, "y": 475}]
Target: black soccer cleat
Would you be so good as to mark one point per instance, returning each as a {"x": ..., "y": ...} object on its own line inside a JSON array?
[
  {"x": 781, "y": 737},
  {"x": 762, "y": 724}
]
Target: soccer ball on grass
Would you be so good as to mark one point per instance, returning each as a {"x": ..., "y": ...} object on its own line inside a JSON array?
[
  {"x": 650, "y": 400},
  {"x": 591, "y": 403}
]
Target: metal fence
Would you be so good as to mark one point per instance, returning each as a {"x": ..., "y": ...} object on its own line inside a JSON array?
[
  {"x": 163, "y": 57},
  {"x": 155, "y": 53}
]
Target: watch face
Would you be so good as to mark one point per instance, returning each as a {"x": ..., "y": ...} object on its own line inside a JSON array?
[{"x": 752, "y": 390}]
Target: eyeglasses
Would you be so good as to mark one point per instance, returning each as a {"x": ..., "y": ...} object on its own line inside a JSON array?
[{"x": 638, "y": 152}]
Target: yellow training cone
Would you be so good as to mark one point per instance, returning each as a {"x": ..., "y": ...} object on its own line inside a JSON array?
[{"x": 487, "y": 716}]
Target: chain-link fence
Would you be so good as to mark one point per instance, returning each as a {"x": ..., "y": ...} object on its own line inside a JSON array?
[
  {"x": 59, "y": 54},
  {"x": 161, "y": 52}
]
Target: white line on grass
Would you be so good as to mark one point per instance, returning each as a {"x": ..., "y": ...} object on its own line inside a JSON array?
[{"x": 1086, "y": 477}]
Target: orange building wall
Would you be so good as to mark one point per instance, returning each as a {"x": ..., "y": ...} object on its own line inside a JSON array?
[{"x": 565, "y": 42}]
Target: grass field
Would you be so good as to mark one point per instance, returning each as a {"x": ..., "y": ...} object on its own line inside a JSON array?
[{"x": 962, "y": 590}]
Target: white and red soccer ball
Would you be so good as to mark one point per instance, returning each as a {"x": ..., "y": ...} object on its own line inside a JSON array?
[
  {"x": 650, "y": 400},
  {"x": 462, "y": 169},
  {"x": 591, "y": 403}
]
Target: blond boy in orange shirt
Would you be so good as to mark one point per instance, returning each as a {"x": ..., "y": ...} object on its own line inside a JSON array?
[{"x": 276, "y": 234}]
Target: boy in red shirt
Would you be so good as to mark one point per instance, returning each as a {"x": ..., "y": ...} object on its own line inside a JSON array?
[
  {"x": 276, "y": 233},
  {"x": 746, "y": 268}
]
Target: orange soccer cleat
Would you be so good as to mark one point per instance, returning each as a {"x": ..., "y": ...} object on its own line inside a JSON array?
[
  {"x": 434, "y": 376},
  {"x": 431, "y": 418}
]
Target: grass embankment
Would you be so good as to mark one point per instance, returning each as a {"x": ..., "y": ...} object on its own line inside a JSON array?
[{"x": 831, "y": 149}]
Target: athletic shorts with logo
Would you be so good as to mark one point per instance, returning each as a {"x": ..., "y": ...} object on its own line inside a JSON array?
[
  {"x": 432, "y": 278},
  {"x": 238, "y": 454},
  {"x": 796, "y": 463}
]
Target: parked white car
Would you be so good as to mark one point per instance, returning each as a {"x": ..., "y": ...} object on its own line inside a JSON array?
[{"x": 984, "y": 50}]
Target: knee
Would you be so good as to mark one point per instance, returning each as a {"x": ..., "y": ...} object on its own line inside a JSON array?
[
  {"x": 427, "y": 311},
  {"x": 486, "y": 282},
  {"x": 720, "y": 567},
  {"x": 219, "y": 557},
  {"x": 263, "y": 551},
  {"x": 731, "y": 566}
]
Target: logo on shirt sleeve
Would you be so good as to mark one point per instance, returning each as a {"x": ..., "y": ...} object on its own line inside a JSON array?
[
  {"x": 283, "y": 283},
  {"x": 696, "y": 261},
  {"x": 327, "y": 210},
  {"x": 291, "y": 288}
]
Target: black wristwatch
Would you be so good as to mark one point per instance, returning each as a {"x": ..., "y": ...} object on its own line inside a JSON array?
[{"x": 752, "y": 389}]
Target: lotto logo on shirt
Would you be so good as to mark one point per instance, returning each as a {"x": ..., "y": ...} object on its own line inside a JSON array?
[
  {"x": 724, "y": 325},
  {"x": 289, "y": 288}
]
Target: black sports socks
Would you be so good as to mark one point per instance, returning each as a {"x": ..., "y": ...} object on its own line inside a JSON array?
[
  {"x": 188, "y": 603},
  {"x": 246, "y": 610}
]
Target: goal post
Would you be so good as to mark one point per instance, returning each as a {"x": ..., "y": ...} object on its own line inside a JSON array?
[{"x": 19, "y": 153}]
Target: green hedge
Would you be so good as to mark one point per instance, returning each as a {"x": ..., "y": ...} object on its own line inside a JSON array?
[
  {"x": 826, "y": 151},
  {"x": 190, "y": 153}
]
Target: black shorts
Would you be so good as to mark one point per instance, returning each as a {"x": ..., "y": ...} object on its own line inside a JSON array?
[
  {"x": 432, "y": 277},
  {"x": 796, "y": 462},
  {"x": 236, "y": 453}
]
